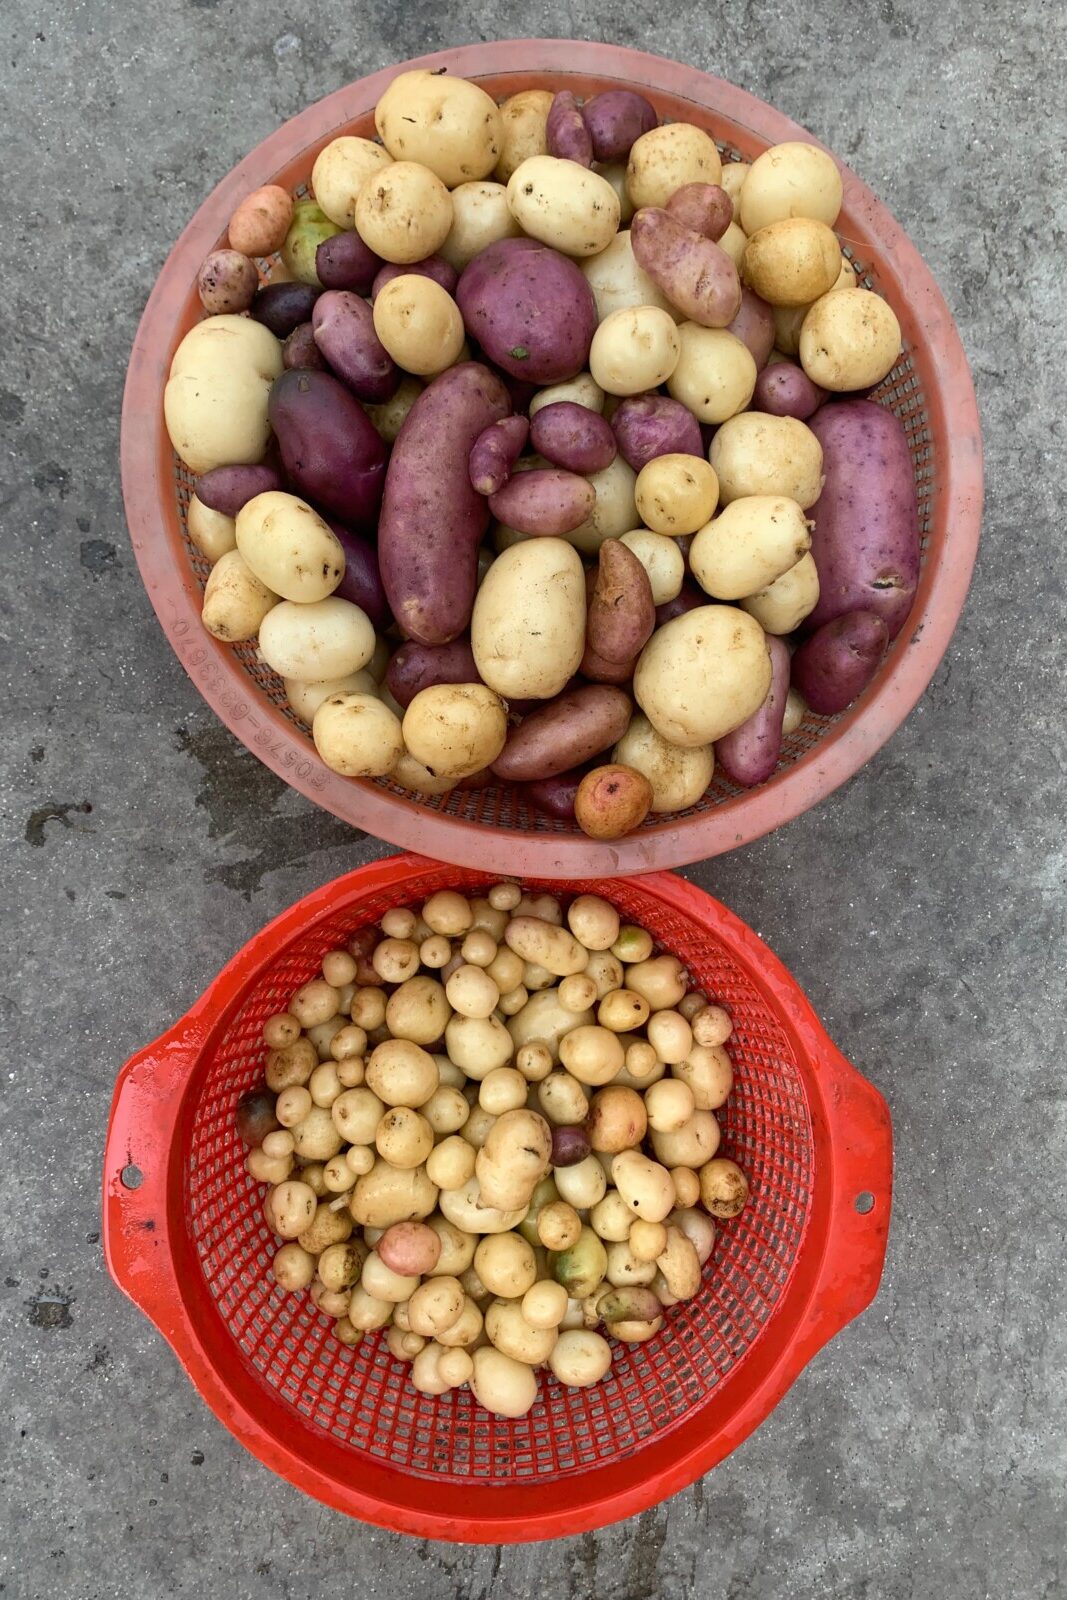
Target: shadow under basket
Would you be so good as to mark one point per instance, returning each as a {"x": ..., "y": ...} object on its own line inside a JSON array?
[{"x": 185, "y": 1238}]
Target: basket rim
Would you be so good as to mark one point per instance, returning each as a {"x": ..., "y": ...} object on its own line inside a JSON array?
[
  {"x": 217, "y": 672},
  {"x": 833, "y": 1278}
]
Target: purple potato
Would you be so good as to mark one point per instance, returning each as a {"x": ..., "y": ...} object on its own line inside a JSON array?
[
  {"x": 344, "y": 332},
  {"x": 345, "y": 262},
  {"x": 530, "y": 309},
  {"x": 754, "y": 326},
  {"x": 227, "y": 489},
  {"x": 785, "y": 390},
  {"x": 255, "y": 1115},
  {"x": 703, "y": 207},
  {"x": 570, "y": 1144},
  {"x": 362, "y": 582},
  {"x": 688, "y": 598},
  {"x": 566, "y": 134},
  {"x": 651, "y": 425},
  {"x": 616, "y": 119},
  {"x": 415, "y": 667},
  {"x": 544, "y": 501},
  {"x": 839, "y": 660},
  {"x": 749, "y": 754},
  {"x": 572, "y": 436},
  {"x": 281, "y": 307},
  {"x": 556, "y": 795},
  {"x": 300, "y": 349},
  {"x": 693, "y": 271},
  {"x": 434, "y": 267},
  {"x": 495, "y": 452},
  {"x": 331, "y": 451}
]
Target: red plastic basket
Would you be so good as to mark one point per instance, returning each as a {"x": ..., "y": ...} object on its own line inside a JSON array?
[{"x": 185, "y": 1239}]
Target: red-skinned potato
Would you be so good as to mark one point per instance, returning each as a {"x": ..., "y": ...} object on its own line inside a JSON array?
[
  {"x": 345, "y": 262},
  {"x": 704, "y": 207},
  {"x": 612, "y": 801},
  {"x": 750, "y": 753},
  {"x": 566, "y": 134},
  {"x": 621, "y": 612},
  {"x": 227, "y": 489},
  {"x": 688, "y": 598},
  {"x": 344, "y": 332},
  {"x": 598, "y": 670},
  {"x": 695, "y": 275},
  {"x": 281, "y": 307},
  {"x": 495, "y": 452},
  {"x": 545, "y": 501},
  {"x": 573, "y": 437},
  {"x": 784, "y": 390},
  {"x": 838, "y": 661},
  {"x": 572, "y": 728},
  {"x": 415, "y": 667},
  {"x": 651, "y": 425},
  {"x": 226, "y": 282},
  {"x": 556, "y": 795}
]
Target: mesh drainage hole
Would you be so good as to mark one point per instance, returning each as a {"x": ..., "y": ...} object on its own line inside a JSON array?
[
  {"x": 132, "y": 1177},
  {"x": 864, "y": 1202}
]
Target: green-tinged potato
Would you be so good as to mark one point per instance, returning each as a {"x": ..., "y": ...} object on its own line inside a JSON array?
[
  {"x": 357, "y": 736},
  {"x": 752, "y": 541},
  {"x": 703, "y": 674},
  {"x": 390, "y": 416},
  {"x": 211, "y": 532},
  {"x": 340, "y": 171},
  {"x": 235, "y": 601},
  {"x": 404, "y": 213},
  {"x": 305, "y": 698},
  {"x": 783, "y": 604},
  {"x": 326, "y": 639},
  {"x": 523, "y": 126},
  {"x": 790, "y": 180},
  {"x": 528, "y": 624},
  {"x": 419, "y": 324},
  {"x": 849, "y": 341},
  {"x": 757, "y": 454},
  {"x": 666, "y": 158},
  {"x": 618, "y": 283},
  {"x": 563, "y": 205},
  {"x": 792, "y": 262},
  {"x": 679, "y": 776},
  {"x": 215, "y": 402},
  {"x": 309, "y": 228},
  {"x": 614, "y": 513},
  {"x": 581, "y": 1267},
  {"x": 446, "y": 124},
  {"x": 455, "y": 729},
  {"x": 289, "y": 547},
  {"x": 480, "y": 216},
  {"x": 715, "y": 374}
]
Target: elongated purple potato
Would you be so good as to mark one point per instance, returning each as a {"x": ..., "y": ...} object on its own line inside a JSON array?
[
  {"x": 785, "y": 390},
  {"x": 693, "y": 272},
  {"x": 345, "y": 262},
  {"x": 839, "y": 660},
  {"x": 227, "y": 489},
  {"x": 300, "y": 349},
  {"x": 434, "y": 267},
  {"x": 330, "y": 449},
  {"x": 281, "y": 307},
  {"x": 754, "y": 326},
  {"x": 344, "y": 332},
  {"x": 415, "y": 667},
  {"x": 495, "y": 452},
  {"x": 750, "y": 753},
  {"x": 432, "y": 520},
  {"x": 573, "y": 437},
  {"x": 616, "y": 119},
  {"x": 577, "y": 725},
  {"x": 362, "y": 582},
  {"x": 566, "y": 134},
  {"x": 651, "y": 425},
  {"x": 544, "y": 501},
  {"x": 866, "y": 539},
  {"x": 704, "y": 207},
  {"x": 529, "y": 308}
]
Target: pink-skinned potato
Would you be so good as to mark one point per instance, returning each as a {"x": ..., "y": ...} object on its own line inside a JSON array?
[
  {"x": 616, "y": 119},
  {"x": 330, "y": 449},
  {"x": 754, "y": 326},
  {"x": 704, "y": 207},
  {"x": 564, "y": 733},
  {"x": 529, "y": 308},
  {"x": 544, "y": 501},
  {"x": 834, "y": 666},
  {"x": 227, "y": 489},
  {"x": 785, "y": 390},
  {"x": 344, "y": 332},
  {"x": 555, "y": 795},
  {"x": 622, "y": 613},
  {"x": 415, "y": 667},
  {"x": 432, "y": 519},
  {"x": 750, "y": 753},
  {"x": 566, "y": 134},
  {"x": 598, "y": 670},
  {"x": 650, "y": 425},
  {"x": 495, "y": 452},
  {"x": 695, "y": 274},
  {"x": 573, "y": 437}
]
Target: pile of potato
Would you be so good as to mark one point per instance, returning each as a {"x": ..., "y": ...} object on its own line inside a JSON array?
[
  {"x": 490, "y": 1129},
  {"x": 521, "y": 465}
]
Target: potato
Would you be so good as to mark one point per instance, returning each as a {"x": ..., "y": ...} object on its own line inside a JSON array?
[
  {"x": 310, "y": 227},
  {"x": 401, "y": 1073},
  {"x": 703, "y": 674},
  {"x": 404, "y": 214},
  {"x": 388, "y": 1194},
  {"x": 579, "y": 391},
  {"x": 752, "y": 541},
  {"x": 733, "y": 177},
  {"x": 757, "y": 454},
  {"x": 591, "y": 1054},
  {"x": 676, "y": 494},
  {"x": 614, "y": 172},
  {"x": 544, "y": 501},
  {"x": 705, "y": 208},
  {"x": 357, "y": 736},
  {"x": 723, "y": 1188},
  {"x": 680, "y": 1265},
  {"x": 211, "y": 532},
  {"x": 528, "y": 623},
  {"x": 708, "y": 1073},
  {"x": 339, "y": 173},
  {"x": 478, "y": 1045},
  {"x": 733, "y": 242},
  {"x": 215, "y": 401},
  {"x": 289, "y": 547},
  {"x": 715, "y": 374},
  {"x": 634, "y": 349},
  {"x": 235, "y": 601},
  {"x": 418, "y": 324},
  {"x": 782, "y": 605},
  {"x": 612, "y": 801},
  {"x": 849, "y": 341},
  {"x": 644, "y": 1186},
  {"x": 510, "y": 1332},
  {"x": 614, "y": 513},
  {"x": 563, "y": 205},
  {"x": 544, "y": 1020},
  {"x": 616, "y": 1121},
  {"x": 389, "y": 417},
  {"x": 449, "y": 125},
  {"x": 513, "y": 1159},
  {"x": 665, "y": 158},
  {"x": 790, "y": 180},
  {"x": 466, "y": 1209},
  {"x": 551, "y": 947},
  {"x": 305, "y": 698},
  {"x": 618, "y": 283},
  {"x": 834, "y": 665},
  {"x": 792, "y": 262},
  {"x": 259, "y": 224},
  {"x": 326, "y": 639},
  {"x": 480, "y": 216},
  {"x": 227, "y": 282},
  {"x": 523, "y": 125},
  {"x": 661, "y": 558},
  {"x": 506, "y": 1387},
  {"x": 455, "y": 729},
  {"x": 698, "y": 278},
  {"x": 679, "y": 776},
  {"x": 690, "y": 1145}
]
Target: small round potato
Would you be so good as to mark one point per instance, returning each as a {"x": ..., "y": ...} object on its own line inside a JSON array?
[
  {"x": 419, "y": 324},
  {"x": 645, "y": 1186},
  {"x": 455, "y": 729},
  {"x": 524, "y": 124},
  {"x": 563, "y": 205},
  {"x": 293, "y": 1267},
  {"x": 792, "y": 262},
  {"x": 591, "y": 1054},
  {"x": 612, "y": 801},
  {"x": 790, "y": 180},
  {"x": 849, "y": 341},
  {"x": 695, "y": 1142},
  {"x": 390, "y": 416},
  {"x": 758, "y": 454},
  {"x": 448, "y": 124},
  {"x": 634, "y": 350},
  {"x": 616, "y": 1120},
  {"x": 480, "y": 216},
  {"x": 404, "y": 213},
  {"x": 260, "y": 223},
  {"x": 418, "y": 1010},
  {"x": 580, "y": 1357},
  {"x": 292, "y": 1208},
  {"x": 702, "y": 675},
  {"x": 709, "y": 1074},
  {"x": 676, "y": 494},
  {"x": 340, "y": 171},
  {"x": 472, "y": 992},
  {"x": 401, "y": 1074},
  {"x": 580, "y": 391},
  {"x": 783, "y": 604},
  {"x": 544, "y": 1305},
  {"x": 357, "y": 736},
  {"x": 715, "y": 375},
  {"x": 679, "y": 776},
  {"x": 451, "y": 1163},
  {"x": 235, "y": 600},
  {"x": 752, "y": 541},
  {"x": 660, "y": 556},
  {"x": 506, "y": 1264},
  {"x": 227, "y": 282},
  {"x": 289, "y": 547},
  {"x": 666, "y": 158},
  {"x": 723, "y": 1188},
  {"x": 326, "y": 639},
  {"x": 403, "y": 1137}
]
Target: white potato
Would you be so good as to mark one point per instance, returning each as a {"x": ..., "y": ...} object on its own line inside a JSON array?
[
  {"x": 790, "y": 180},
  {"x": 235, "y": 600},
  {"x": 789, "y": 320},
  {"x": 615, "y": 512},
  {"x": 661, "y": 558},
  {"x": 480, "y": 216},
  {"x": 528, "y": 624},
  {"x": 703, "y": 674},
  {"x": 405, "y": 213},
  {"x": 783, "y": 604},
  {"x": 413, "y": 776},
  {"x": 564, "y": 205},
  {"x": 715, "y": 374},
  {"x": 580, "y": 1357},
  {"x": 326, "y": 639},
  {"x": 389, "y": 417},
  {"x": 666, "y": 158},
  {"x": 289, "y": 547},
  {"x": 634, "y": 350},
  {"x": 792, "y": 262},
  {"x": 678, "y": 775},
  {"x": 618, "y": 282},
  {"x": 341, "y": 169},
  {"x": 215, "y": 401},
  {"x": 581, "y": 391},
  {"x": 734, "y": 174},
  {"x": 419, "y": 324},
  {"x": 752, "y": 541},
  {"x": 755, "y": 453},
  {"x": 850, "y": 341},
  {"x": 733, "y": 242},
  {"x": 615, "y": 174},
  {"x": 306, "y": 698},
  {"x": 448, "y": 124},
  {"x": 506, "y": 1387},
  {"x": 455, "y": 729},
  {"x": 523, "y": 124},
  {"x": 211, "y": 532},
  {"x": 676, "y": 494},
  {"x": 357, "y": 736},
  {"x": 795, "y": 712}
]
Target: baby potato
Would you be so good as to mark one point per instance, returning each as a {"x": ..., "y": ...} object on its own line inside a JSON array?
[
  {"x": 235, "y": 600},
  {"x": 783, "y": 604},
  {"x": 676, "y": 494},
  {"x": 591, "y": 1054},
  {"x": 289, "y": 547},
  {"x": 708, "y": 1073},
  {"x": 666, "y": 158},
  {"x": 418, "y": 1010},
  {"x": 339, "y": 173},
  {"x": 849, "y": 341},
  {"x": 260, "y": 223},
  {"x": 758, "y": 454},
  {"x": 580, "y": 391},
  {"x": 619, "y": 283},
  {"x": 356, "y": 1114},
  {"x": 472, "y": 992},
  {"x": 387, "y": 1194},
  {"x": 506, "y": 1387},
  {"x": 451, "y": 1163},
  {"x": 695, "y": 1142},
  {"x": 211, "y": 532},
  {"x": 792, "y": 262},
  {"x": 679, "y": 775},
  {"x": 581, "y": 1184},
  {"x": 480, "y": 216},
  {"x": 702, "y": 675},
  {"x": 478, "y": 1044},
  {"x": 310, "y": 227},
  {"x": 448, "y": 124},
  {"x": 455, "y": 729},
  {"x": 401, "y": 1073},
  {"x": 579, "y": 1357},
  {"x": 419, "y": 324},
  {"x": 506, "y": 1264},
  {"x": 752, "y": 541},
  {"x": 325, "y": 639},
  {"x": 660, "y": 981},
  {"x": 305, "y": 698},
  {"x": 661, "y": 558},
  {"x": 790, "y": 180},
  {"x": 616, "y": 1120},
  {"x": 293, "y": 1267},
  {"x": 292, "y": 1208},
  {"x": 715, "y": 375},
  {"x": 404, "y": 213},
  {"x": 543, "y": 942},
  {"x": 357, "y": 736},
  {"x": 614, "y": 513},
  {"x": 644, "y": 1186},
  {"x": 403, "y": 1137},
  {"x": 509, "y": 1331},
  {"x": 563, "y": 205},
  {"x": 634, "y": 349},
  {"x": 723, "y": 1188}
]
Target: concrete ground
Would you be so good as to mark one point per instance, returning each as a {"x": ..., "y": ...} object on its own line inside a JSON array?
[{"x": 922, "y": 907}]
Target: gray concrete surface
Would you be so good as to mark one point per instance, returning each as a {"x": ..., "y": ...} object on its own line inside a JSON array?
[{"x": 922, "y": 907}]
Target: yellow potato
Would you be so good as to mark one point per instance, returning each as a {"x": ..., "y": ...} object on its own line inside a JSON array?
[
  {"x": 326, "y": 639},
  {"x": 390, "y": 416},
  {"x": 455, "y": 729},
  {"x": 668, "y": 157},
  {"x": 528, "y": 624},
  {"x": 405, "y": 213},
  {"x": 419, "y": 324},
  {"x": 564, "y": 205},
  {"x": 783, "y": 604},
  {"x": 678, "y": 775},
  {"x": 788, "y": 320},
  {"x": 447, "y": 124},
  {"x": 235, "y": 601},
  {"x": 790, "y": 180},
  {"x": 752, "y": 541},
  {"x": 305, "y": 698},
  {"x": 289, "y": 547},
  {"x": 211, "y": 532},
  {"x": 715, "y": 374},
  {"x": 850, "y": 341},
  {"x": 523, "y": 126},
  {"x": 340, "y": 171},
  {"x": 661, "y": 558},
  {"x": 615, "y": 174},
  {"x": 634, "y": 350},
  {"x": 480, "y": 216},
  {"x": 215, "y": 402},
  {"x": 733, "y": 242},
  {"x": 703, "y": 674},
  {"x": 792, "y": 262},
  {"x": 615, "y": 512},
  {"x": 734, "y": 174},
  {"x": 676, "y": 494},
  {"x": 618, "y": 282},
  {"x": 357, "y": 736},
  {"x": 795, "y": 711},
  {"x": 755, "y": 453},
  {"x": 582, "y": 391}
]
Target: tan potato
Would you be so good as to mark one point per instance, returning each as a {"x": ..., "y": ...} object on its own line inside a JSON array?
[
  {"x": 680, "y": 1265},
  {"x": 676, "y": 494},
  {"x": 703, "y": 674},
  {"x": 478, "y": 1045},
  {"x": 401, "y": 1073},
  {"x": 357, "y": 736},
  {"x": 403, "y": 1137},
  {"x": 436, "y": 1306},
  {"x": 418, "y": 1010},
  {"x": 723, "y": 1188},
  {"x": 480, "y": 216},
  {"x": 790, "y": 180},
  {"x": 690, "y": 1145},
  {"x": 413, "y": 776},
  {"x": 513, "y": 1159},
  {"x": 383, "y": 1282},
  {"x": 644, "y": 1186},
  {"x": 562, "y": 1099},
  {"x": 784, "y": 603},
  {"x": 617, "y": 1119},
  {"x": 553, "y": 948},
  {"x": 753, "y": 541},
  {"x": 733, "y": 242},
  {"x": 666, "y": 158},
  {"x": 591, "y": 1054},
  {"x": 306, "y": 697},
  {"x": 405, "y": 213},
  {"x": 850, "y": 341},
  {"x": 455, "y": 729},
  {"x": 260, "y": 223},
  {"x": 581, "y": 391},
  {"x": 215, "y": 401},
  {"x": 341, "y": 169},
  {"x": 715, "y": 375},
  {"x": 235, "y": 601},
  {"x": 211, "y": 532},
  {"x": 659, "y": 980},
  {"x": 523, "y": 125},
  {"x": 563, "y": 205},
  {"x": 506, "y": 1264},
  {"x": 447, "y": 124},
  {"x": 528, "y": 624},
  {"x": 634, "y": 350},
  {"x": 614, "y": 514},
  {"x": 619, "y": 283},
  {"x": 544, "y": 1020},
  {"x": 733, "y": 177},
  {"x": 510, "y": 1332},
  {"x": 451, "y": 1163},
  {"x": 505, "y": 1387},
  {"x": 327, "y": 1227},
  {"x": 679, "y": 775},
  {"x": 708, "y": 1073},
  {"x": 756, "y": 453},
  {"x": 325, "y": 639},
  {"x": 661, "y": 558},
  {"x": 625, "y": 1269},
  {"x": 792, "y": 262},
  {"x": 795, "y": 712},
  {"x": 466, "y": 1209},
  {"x": 419, "y": 324},
  {"x": 387, "y": 1194}
]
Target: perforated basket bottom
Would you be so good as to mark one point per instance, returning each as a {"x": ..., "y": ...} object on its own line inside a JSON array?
[{"x": 363, "y": 1398}]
